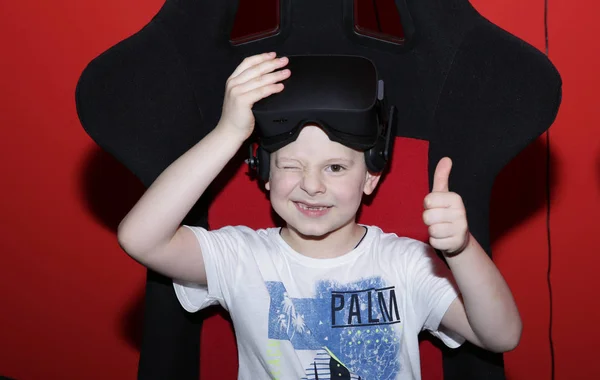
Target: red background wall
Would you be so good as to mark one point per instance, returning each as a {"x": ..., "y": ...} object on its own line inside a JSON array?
[{"x": 71, "y": 299}]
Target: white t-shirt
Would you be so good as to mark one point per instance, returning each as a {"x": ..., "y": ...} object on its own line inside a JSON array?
[{"x": 297, "y": 317}]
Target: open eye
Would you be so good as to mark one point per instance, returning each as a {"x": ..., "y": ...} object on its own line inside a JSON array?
[{"x": 336, "y": 168}]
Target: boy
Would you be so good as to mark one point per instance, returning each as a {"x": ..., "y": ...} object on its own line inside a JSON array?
[{"x": 322, "y": 297}]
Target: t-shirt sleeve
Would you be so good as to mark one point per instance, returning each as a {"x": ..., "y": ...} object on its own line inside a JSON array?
[
  {"x": 220, "y": 251},
  {"x": 433, "y": 289}
]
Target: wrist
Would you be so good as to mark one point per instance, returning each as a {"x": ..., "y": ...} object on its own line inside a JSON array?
[
  {"x": 232, "y": 133},
  {"x": 467, "y": 242}
]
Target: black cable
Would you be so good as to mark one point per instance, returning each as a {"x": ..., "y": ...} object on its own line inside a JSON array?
[
  {"x": 546, "y": 27},
  {"x": 548, "y": 202},
  {"x": 377, "y": 16}
]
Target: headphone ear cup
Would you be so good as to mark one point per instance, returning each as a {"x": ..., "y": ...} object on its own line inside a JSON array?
[
  {"x": 375, "y": 158},
  {"x": 264, "y": 162}
]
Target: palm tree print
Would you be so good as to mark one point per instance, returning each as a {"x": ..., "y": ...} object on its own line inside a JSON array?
[
  {"x": 298, "y": 323},
  {"x": 290, "y": 318}
]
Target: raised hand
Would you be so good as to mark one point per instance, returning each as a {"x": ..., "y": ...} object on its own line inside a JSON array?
[
  {"x": 445, "y": 213},
  {"x": 254, "y": 79}
]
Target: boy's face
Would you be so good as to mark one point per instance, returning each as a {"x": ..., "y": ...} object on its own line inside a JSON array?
[{"x": 316, "y": 185}]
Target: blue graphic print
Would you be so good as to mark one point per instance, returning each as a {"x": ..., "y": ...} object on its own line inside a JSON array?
[{"x": 353, "y": 322}]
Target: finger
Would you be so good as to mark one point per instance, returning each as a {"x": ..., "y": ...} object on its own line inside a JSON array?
[
  {"x": 441, "y": 175},
  {"x": 257, "y": 94},
  {"x": 263, "y": 80},
  {"x": 442, "y": 215},
  {"x": 258, "y": 70},
  {"x": 441, "y": 230},
  {"x": 251, "y": 61},
  {"x": 443, "y": 200}
]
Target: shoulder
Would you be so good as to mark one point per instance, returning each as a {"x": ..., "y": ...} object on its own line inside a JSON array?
[
  {"x": 406, "y": 257},
  {"x": 398, "y": 250},
  {"x": 392, "y": 242}
]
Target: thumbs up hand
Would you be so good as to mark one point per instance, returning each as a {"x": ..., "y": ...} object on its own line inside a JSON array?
[{"x": 445, "y": 214}]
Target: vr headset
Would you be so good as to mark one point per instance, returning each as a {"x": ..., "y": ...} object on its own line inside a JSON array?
[{"x": 341, "y": 94}]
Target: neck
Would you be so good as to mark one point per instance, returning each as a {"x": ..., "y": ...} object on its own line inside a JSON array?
[{"x": 334, "y": 244}]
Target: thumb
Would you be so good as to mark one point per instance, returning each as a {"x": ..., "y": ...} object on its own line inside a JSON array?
[{"x": 441, "y": 175}]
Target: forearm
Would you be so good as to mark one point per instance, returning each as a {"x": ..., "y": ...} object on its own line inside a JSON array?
[
  {"x": 159, "y": 212},
  {"x": 489, "y": 305}
]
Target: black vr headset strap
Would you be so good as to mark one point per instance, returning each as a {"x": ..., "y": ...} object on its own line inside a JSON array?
[
  {"x": 390, "y": 135},
  {"x": 377, "y": 157},
  {"x": 259, "y": 162}
]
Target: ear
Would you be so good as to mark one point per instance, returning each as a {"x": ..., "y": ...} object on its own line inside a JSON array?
[
  {"x": 268, "y": 185},
  {"x": 371, "y": 181}
]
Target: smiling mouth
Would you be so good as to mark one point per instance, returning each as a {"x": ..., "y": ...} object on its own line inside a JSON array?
[{"x": 306, "y": 207}]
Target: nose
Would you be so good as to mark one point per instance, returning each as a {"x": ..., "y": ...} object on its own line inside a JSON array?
[{"x": 312, "y": 182}]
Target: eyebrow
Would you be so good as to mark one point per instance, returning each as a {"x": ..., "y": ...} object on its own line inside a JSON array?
[
  {"x": 330, "y": 160},
  {"x": 340, "y": 159},
  {"x": 286, "y": 159}
]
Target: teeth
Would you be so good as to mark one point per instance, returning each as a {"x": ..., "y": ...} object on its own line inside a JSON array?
[{"x": 305, "y": 207}]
